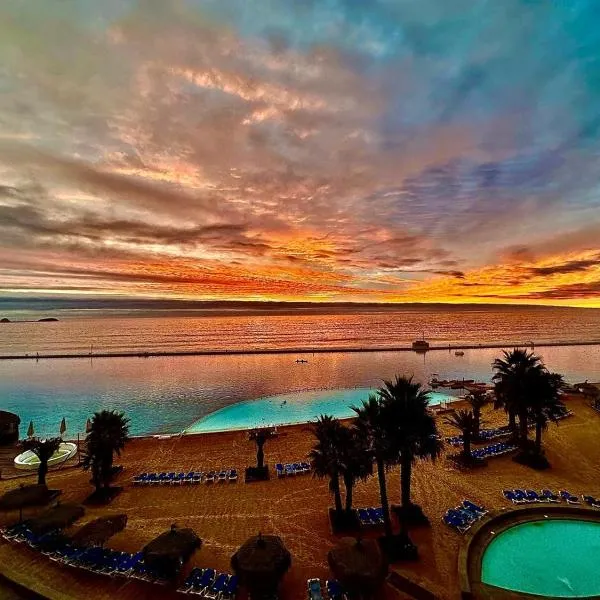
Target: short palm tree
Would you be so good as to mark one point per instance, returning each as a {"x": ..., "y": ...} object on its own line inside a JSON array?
[
  {"x": 477, "y": 401},
  {"x": 371, "y": 427},
  {"x": 260, "y": 437},
  {"x": 43, "y": 449},
  {"x": 355, "y": 462},
  {"x": 513, "y": 373},
  {"x": 412, "y": 430},
  {"x": 325, "y": 457},
  {"x": 545, "y": 403},
  {"x": 108, "y": 435},
  {"x": 464, "y": 421}
]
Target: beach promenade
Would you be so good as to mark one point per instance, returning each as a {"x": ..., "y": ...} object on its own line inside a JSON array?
[{"x": 224, "y": 515}]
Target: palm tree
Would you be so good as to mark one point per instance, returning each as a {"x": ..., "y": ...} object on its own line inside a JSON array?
[
  {"x": 325, "y": 457},
  {"x": 107, "y": 436},
  {"x": 371, "y": 427},
  {"x": 260, "y": 437},
  {"x": 464, "y": 421},
  {"x": 355, "y": 461},
  {"x": 43, "y": 449},
  {"x": 545, "y": 403},
  {"x": 513, "y": 372},
  {"x": 412, "y": 429},
  {"x": 477, "y": 401}
]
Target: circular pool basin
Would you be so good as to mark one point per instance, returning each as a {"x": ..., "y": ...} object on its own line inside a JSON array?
[
  {"x": 297, "y": 407},
  {"x": 28, "y": 461},
  {"x": 553, "y": 558}
]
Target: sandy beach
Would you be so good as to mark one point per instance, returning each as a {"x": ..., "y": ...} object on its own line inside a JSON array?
[{"x": 224, "y": 515}]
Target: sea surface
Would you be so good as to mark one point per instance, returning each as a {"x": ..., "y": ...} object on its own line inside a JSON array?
[
  {"x": 96, "y": 331},
  {"x": 169, "y": 394}
]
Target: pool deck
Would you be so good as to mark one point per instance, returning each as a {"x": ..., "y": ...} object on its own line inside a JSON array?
[{"x": 224, "y": 515}]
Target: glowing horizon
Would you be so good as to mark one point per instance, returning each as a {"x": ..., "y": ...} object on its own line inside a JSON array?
[{"x": 317, "y": 151}]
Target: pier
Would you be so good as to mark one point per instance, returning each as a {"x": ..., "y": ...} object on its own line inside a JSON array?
[{"x": 302, "y": 350}]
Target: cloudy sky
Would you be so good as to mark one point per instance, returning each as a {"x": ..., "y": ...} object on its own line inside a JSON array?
[{"x": 390, "y": 150}]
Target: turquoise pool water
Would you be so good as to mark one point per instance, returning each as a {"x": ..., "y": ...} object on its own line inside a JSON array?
[
  {"x": 283, "y": 409},
  {"x": 556, "y": 558}
]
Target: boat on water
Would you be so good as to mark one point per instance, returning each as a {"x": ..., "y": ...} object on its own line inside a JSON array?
[
  {"x": 28, "y": 461},
  {"x": 459, "y": 353},
  {"x": 421, "y": 345},
  {"x": 301, "y": 360}
]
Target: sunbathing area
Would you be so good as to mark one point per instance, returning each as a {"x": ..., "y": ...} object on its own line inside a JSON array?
[{"x": 181, "y": 482}]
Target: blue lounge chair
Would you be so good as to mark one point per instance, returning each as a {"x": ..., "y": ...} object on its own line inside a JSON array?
[
  {"x": 456, "y": 523},
  {"x": 569, "y": 498},
  {"x": 364, "y": 517},
  {"x": 375, "y": 516},
  {"x": 474, "y": 507},
  {"x": 210, "y": 477},
  {"x": 279, "y": 470},
  {"x": 335, "y": 591},
  {"x": 233, "y": 475},
  {"x": 532, "y": 496},
  {"x": 215, "y": 590},
  {"x": 591, "y": 501},
  {"x": 289, "y": 469},
  {"x": 549, "y": 496},
  {"x": 231, "y": 590}
]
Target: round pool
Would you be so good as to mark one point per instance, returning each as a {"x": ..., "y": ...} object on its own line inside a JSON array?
[
  {"x": 285, "y": 409},
  {"x": 553, "y": 558}
]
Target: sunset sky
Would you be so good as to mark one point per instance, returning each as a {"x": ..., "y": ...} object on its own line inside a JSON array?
[{"x": 318, "y": 150}]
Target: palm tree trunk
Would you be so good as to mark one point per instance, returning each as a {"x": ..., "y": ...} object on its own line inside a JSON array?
[
  {"x": 335, "y": 486},
  {"x": 405, "y": 478},
  {"x": 42, "y": 471},
  {"x": 538, "y": 437},
  {"x": 349, "y": 485},
  {"x": 260, "y": 456},
  {"x": 385, "y": 505},
  {"x": 467, "y": 446},
  {"x": 512, "y": 420},
  {"x": 477, "y": 424},
  {"x": 523, "y": 429}
]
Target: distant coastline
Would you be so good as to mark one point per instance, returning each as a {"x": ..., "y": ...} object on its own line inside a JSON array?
[{"x": 42, "y": 320}]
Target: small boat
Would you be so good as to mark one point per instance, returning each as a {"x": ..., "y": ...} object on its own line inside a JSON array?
[
  {"x": 301, "y": 360},
  {"x": 459, "y": 353}
]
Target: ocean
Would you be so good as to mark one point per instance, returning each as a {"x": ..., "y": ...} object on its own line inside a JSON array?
[{"x": 168, "y": 394}]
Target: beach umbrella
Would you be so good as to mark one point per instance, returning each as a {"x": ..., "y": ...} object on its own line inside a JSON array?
[
  {"x": 57, "y": 517},
  {"x": 170, "y": 550},
  {"x": 27, "y": 495},
  {"x": 260, "y": 563},
  {"x": 30, "y": 430},
  {"x": 359, "y": 565},
  {"x": 99, "y": 530},
  {"x": 63, "y": 427},
  {"x": 88, "y": 426}
]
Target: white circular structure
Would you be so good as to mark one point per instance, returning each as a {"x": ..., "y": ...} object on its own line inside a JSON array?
[{"x": 28, "y": 461}]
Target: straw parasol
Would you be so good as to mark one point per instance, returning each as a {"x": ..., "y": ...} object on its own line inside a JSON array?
[
  {"x": 57, "y": 517},
  {"x": 63, "y": 427},
  {"x": 260, "y": 563},
  {"x": 358, "y": 564},
  {"x": 99, "y": 530},
  {"x": 170, "y": 550},
  {"x": 27, "y": 495},
  {"x": 30, "y": 430}
]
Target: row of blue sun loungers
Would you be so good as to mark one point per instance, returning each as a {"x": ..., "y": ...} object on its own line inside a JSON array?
[
  {"x": 191, "y": 478},
  {"x": 493, "y": 450},
  {"x": 464, "y": 516},
  {"x": 518, "y": 496},
  {"x": 370, "y": 517},
  {"x": 289, "y": 469},
  {"x": 484, "y": 434},
  {"x": 207, "y": 583},
  {"x": 94, "y": 558}
]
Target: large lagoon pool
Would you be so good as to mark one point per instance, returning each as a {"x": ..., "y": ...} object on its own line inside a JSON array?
[
  {"x": 285, "y": 409},
  {"x": 554, "y": 558}
]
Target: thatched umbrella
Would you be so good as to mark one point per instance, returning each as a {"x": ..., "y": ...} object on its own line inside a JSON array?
[
  {"x": 63, "y": 427},
  {"x": 99, "y": 530},
  {"x": 359, "y": 565},
  {"x": 260, "y": 563},
  {"x": 170, "y": 550},
  {"x": 30, "y": 430},
  {"x": 57, "y": 517},
  {"x": 27, "y": 495}
]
